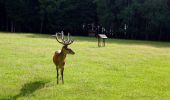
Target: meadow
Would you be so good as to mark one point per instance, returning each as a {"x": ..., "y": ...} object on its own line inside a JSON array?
[{"x": 123, "y": 70}]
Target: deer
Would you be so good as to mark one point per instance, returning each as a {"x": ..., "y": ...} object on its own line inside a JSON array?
[{"x": 60, "y": 55}]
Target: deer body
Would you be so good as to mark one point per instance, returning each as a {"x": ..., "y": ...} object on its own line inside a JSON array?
[
  {"x": 59, "y": 59},
  {"x": 60, "y": 56}
]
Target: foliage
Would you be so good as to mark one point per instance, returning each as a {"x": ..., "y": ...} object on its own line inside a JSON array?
[
  {"x": 47, "y": 16},
  {"x": 145, "y": 19}
]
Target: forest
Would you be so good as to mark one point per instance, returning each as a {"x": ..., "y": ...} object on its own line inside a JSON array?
[{"x": 125, "y": 19}]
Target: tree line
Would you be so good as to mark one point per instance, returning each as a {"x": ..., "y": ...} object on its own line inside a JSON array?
[{"x": 130, "y": 19}]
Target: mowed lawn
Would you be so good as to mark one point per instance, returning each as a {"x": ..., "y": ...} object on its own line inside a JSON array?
[{"x": 124, "y": 69}]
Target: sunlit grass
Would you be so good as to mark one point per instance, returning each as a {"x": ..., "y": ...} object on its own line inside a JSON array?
[{"x": 124, "y": 69}]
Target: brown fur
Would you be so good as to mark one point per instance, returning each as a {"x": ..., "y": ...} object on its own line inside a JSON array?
[{"x": 59, "y": 60}]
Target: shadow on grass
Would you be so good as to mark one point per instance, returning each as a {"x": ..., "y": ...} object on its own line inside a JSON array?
[
  {"x": 157, "y": 44},
  {"x": 39, "y": 35},
  {"x": 29, "y": 88}
]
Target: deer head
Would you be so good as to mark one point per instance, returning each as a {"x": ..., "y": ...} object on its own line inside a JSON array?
[{"x": 65, "y": 43}]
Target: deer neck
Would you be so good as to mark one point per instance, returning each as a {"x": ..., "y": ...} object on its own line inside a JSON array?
[{"x": 63, "y": 55}]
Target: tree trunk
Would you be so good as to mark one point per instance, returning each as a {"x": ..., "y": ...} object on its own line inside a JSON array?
[
  {"x": 7, "y": 24},
  {"x": 12, "y": 26},
  {"x": 42, "y": 25},
  {"x": 160, "y": 33}
]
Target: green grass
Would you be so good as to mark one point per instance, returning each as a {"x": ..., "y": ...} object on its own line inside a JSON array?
[{"x": 124, "y": 69}]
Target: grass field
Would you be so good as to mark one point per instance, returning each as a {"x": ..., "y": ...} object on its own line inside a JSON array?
[{"x": 124, "y": 69}]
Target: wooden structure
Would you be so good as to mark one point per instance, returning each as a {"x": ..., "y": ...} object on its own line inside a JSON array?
[{"x": 101, "y": 39}]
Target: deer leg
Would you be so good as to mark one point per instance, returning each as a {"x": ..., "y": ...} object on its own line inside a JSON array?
[
  {"x": 62, "y": 75},
  {"x": 57, "y": 74}
]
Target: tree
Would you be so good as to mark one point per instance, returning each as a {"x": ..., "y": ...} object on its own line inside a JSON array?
[{"x": 144, "y": 19}]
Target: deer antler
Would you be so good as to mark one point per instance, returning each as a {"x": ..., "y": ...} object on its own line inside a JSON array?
[{"x": 64, "y": 41}]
